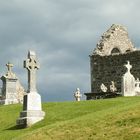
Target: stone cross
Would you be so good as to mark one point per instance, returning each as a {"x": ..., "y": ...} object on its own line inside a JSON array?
[
  {"x": 9, "y": 66},
  {"x": 112, "y": 87},
  {"x": 31, "y": 65},
  {"x": 128, "y": 66},
  {"x": 77, "y": 94},
  {"x": 32, "y": 108},
  {"x": 137, "y": 83},
  {"x": 128, "y": 82}
]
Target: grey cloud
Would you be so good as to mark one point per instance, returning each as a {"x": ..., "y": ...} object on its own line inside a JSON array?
[{"x": 63, "y": 33}]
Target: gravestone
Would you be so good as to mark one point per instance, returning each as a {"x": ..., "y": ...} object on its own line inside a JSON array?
[
  {"x": 137, "y": 87},
  {"x": 32, "y": 109},
  {"x": 10, "y": 88},
  {"x": 128, "y": 82},
  {"x": 103, "y": 88},
  {"x": 77, "y": 94},
  {"x": 113, "y": 87}
]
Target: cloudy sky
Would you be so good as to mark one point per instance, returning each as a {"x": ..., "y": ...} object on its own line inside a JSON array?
[{"x": 63, "y": 33}]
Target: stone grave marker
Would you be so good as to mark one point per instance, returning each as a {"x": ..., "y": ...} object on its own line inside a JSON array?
[
  {"x": 12, "y": 91},
  {"x": 77, "y": 94},
  {"x": 137, "y": 87},
  {"x": 128, "y": 82},
  {"x": 32, "y": 109}
]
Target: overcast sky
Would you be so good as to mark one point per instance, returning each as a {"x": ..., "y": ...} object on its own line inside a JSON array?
[{"x": 63, "y": 33}]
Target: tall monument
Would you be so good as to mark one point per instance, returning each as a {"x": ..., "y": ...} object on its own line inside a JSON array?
[
  {"x": 32, "y": 110},
  {"x": 12, "y": 91}
]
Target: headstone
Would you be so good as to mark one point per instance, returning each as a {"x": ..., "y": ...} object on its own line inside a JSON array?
[
  {"x": 32, "y": 109},
  {"x": 77, "y": 94},
  {"x": 10, "y": 93},
  {"x": 103, "y": 88},
  {"x": 137, "y": 87},
  {"x": 113, "y": 87},
  {"x": 128, "y": 82}
]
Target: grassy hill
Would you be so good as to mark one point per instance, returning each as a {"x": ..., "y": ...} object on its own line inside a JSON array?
[{"x": 109, "y": 119}]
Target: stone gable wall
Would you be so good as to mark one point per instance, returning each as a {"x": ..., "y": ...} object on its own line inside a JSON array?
[{"x": 115, "y": 37}]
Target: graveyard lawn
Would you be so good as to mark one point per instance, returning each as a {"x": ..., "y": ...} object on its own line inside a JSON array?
[{"x": 109, "y": 119}]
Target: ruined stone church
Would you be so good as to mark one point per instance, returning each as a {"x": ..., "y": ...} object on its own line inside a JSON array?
[{"x": 108, "y": 59}]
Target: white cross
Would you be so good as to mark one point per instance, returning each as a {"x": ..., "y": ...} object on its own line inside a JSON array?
[{"x": 128, "y": 66}]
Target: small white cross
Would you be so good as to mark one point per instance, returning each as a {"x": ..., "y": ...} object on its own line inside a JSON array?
[{"x": 128, "y": 66}]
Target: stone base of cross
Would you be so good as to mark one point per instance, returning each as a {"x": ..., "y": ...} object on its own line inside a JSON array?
[{"x": 32, "y": 110}]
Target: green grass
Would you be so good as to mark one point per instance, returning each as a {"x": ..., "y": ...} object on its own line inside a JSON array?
[{"x": 109, "y": 119}]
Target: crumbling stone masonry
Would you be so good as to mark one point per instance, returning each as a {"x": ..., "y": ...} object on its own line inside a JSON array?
[{"x": 108, "y": 59}]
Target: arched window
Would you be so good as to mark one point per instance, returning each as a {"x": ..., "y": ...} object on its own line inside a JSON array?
[
  {"x": 127, "y": 50},
  {"x": 115, "y": 51}
]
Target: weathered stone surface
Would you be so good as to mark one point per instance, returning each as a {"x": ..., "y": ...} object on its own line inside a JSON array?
[
  {"x": 12, "y": 91},
  {"x": 113, "y": 41},
  {"x": 105, "y": 69},
  {"x": 31, "y": 65},
  {"x": 20, "y": 91},
  {"x": 32, "y": 109}
]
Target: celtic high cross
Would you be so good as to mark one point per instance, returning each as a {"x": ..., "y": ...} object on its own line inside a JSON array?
[{"x": 31, "y": 65}]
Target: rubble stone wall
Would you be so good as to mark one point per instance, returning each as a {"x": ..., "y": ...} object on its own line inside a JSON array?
[{"x": 105, "y": 69}]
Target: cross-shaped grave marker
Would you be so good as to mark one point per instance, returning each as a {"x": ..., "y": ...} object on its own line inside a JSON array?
[
  {"x": 31, "y": 65},
  {"x": 9, "y": 66}
]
